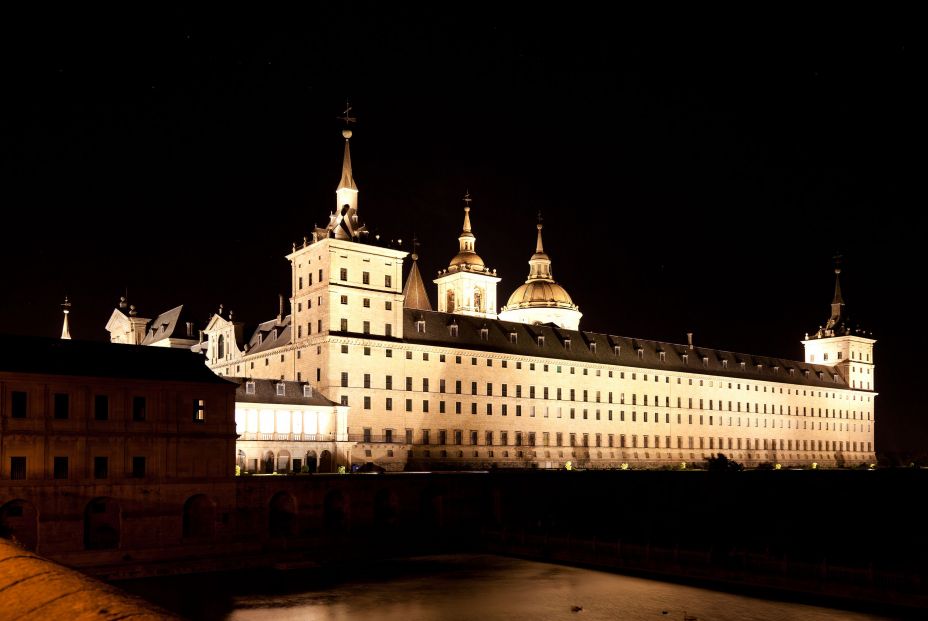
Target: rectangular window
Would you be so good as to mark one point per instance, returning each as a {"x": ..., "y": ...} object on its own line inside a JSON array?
[
  {"x": 388, "y": 305},
  {"x": 388, "y": 281},
  {"x": 488, "y": 438},
  {"x": 62, "y": 405},
  {"x": 18, "y": 404},
  {"x": 344, "y": 379},
  {"x": 409, "y": 405},
  {"x": 388, "y": 331},
  {"x": 366, "y": 278},
  {"x": 344, "y": 325},
  {"x": 425, "y": 436},
  {"x": 18, "y": 468},
  {"x": 101, "y": 467},
  {"x": 367, "y": 380},
  {"x": 343, "y": 273},
  {"x": 61, "y": 468},
  {"x": 389, "y": 404},
  {"x": 101, "y": 407},
  {"x": 367, "y": 403},
  {"x": 389, "y": 382},
  {"x": 138, "y": 467},
  {"x": 366, "y": 327},
  {"x": 199, "y": 410},
  {"x": 138, "y": 408}
]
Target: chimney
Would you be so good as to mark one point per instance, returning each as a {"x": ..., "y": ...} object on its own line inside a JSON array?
[
  {"x": 280, "y": 311},
  {"x": 689, "y": 340}
]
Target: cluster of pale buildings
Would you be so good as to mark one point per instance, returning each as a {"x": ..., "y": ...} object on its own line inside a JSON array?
[{"x": 471, "y": 384}]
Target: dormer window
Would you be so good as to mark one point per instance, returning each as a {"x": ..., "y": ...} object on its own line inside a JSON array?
[
  {"x": 743, "y": 365},
  {"x": 834, "y": 378},
  {"x": 792, "y": 371},
  {"x": 759, "y": 366},
  {"x": 541, "y": 340},
  {"x": 249, "y": 388},
  {"x": 724, "y": 364},
  {"x": 567, "y": 344},
  {"x": 686, "y": 358},
  {"x": 281, "y": 389},
  {"x": 453, "y": 329},
  {"x": 484, "y": 334},
  {"x": 806, "y": 372},
  {"x": 776, "y": 369},
  {"x": 662, "y": 355},
  {"x": 593, "y": 347},
  {"x": 821, "y": 375},
  {"x": 513, "y": 337},
  {"x": 420, "y": 326},
  {"x": 640, "y": 353},
  {"x": 617, "y": 349},
  {"x": 705, "y": 361},
  {"x": 307, "y": 391}
]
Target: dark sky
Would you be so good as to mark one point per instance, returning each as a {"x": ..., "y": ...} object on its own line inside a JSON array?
[{"x": 690, "y": 179}]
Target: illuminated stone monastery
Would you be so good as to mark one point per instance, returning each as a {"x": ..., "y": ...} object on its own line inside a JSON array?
[{"x": 476, "y": 385}]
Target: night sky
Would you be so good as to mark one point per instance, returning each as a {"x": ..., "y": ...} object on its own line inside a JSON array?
[{"x": 699, "y": 181}]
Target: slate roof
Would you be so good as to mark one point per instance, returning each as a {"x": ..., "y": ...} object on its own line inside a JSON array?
[
  {"x": 169, "y": 324},
  {"x": 266, "y": 392},
  {"x": 758, "y": 368},
  {"x": 269, "y": 335},
  {"x": 41, "y": 355}
]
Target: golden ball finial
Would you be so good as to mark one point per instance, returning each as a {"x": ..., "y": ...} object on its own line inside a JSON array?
[{"x": 346, "y": 133}]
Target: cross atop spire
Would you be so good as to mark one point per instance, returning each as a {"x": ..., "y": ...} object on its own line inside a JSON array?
[
  {"x": 65, "y": 331},
  {"x": 838, "y": 299},
  {"x": 539, "y": 248},
  {"x": 467, "y": 201},
  {"x": 346, "y": 115}
]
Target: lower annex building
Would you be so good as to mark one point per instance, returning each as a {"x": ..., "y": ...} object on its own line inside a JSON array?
[{"x": 473, "y": 385}]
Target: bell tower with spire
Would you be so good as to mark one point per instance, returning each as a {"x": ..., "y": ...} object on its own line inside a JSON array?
[
  {"x": 842, "y": 343},
  {"x": 467, "y": 286}
]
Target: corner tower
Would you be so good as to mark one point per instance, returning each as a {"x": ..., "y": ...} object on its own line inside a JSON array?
[
  {"x": 467, "y": 286},
  {"x": 841, "y": 343},
  {"x": 541, "y": 299}
]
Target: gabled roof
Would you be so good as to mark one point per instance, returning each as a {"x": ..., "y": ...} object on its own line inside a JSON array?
[
  {"x": 169, "y": 324},
  {"x": 270, "y": 334},
  {"x": 33, "y": 354},
  {"x": 592, "y": 347}
]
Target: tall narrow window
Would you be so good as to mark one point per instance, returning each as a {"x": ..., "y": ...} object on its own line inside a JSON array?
[
  {"x": 138, "y": 467},
  {"x": 18, "y": 404},
  {"x": 17, "y": 468},
  {"x": 62, "y": 405},
  {"x": 199, "y": 410},
  {"x": 101, "y": 407},
  {"x": 61, "y": 468},
  {"x": 101, "y": 467},
  {"x": 138, "y": 408}
]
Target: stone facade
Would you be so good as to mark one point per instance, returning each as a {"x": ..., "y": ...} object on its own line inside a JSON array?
[
  {"x": 105, "y": 449},
  {"x": 463, "y": 389}
]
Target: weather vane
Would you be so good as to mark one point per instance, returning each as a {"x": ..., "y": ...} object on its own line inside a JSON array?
[
  {"x": 346, "y": 115},
  {"x": 467, "y": 199}
]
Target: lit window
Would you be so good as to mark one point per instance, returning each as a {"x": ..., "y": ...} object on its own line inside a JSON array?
[
  {"x": 249, "y": 388},
  {"x": 199, "y": 411},
  {"x": 281, "y": 390}
]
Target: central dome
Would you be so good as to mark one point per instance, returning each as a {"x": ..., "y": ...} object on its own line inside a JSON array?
[
  {"x": 539, "y": 293},
  {"x": 467, "y": 257}
]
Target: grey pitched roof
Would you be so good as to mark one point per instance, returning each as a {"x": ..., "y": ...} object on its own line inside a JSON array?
[
  {"x": 270, "y": 334},
  {"x": 169, "y": 324},
  {"x": 592, "y": 347},
  {"x": 414, "y": 293},
  {"x": 266, "y": 392},
  {"x": 33, "y": 354}
]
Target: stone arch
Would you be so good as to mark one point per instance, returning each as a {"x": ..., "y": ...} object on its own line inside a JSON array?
[
  {"x": 283, "y": 461},
  {"x": 199, "y": 517},
  {"x": 386, "y": 508},
  {"x": 267, "y": 464},
  {"x": 335, "y": 511},
  {"x": 450, "y": 304},
  {"x": 102, "y": 521},
  {"x": 221, "y": 348},
  {"x": 478, "y": 300},
  {"x": 312, "y": 461},
  {"x": 326, "y": 462},
  {"x": 19, "y": 522},
  {"x": 282, "y": 516}
]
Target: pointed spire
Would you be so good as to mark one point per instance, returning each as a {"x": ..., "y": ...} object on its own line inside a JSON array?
[
  {"x": 467, "y": 257},
  {"x": 343, "y": 222},
  {"x": 539, "y": 248},
  {"x": 540, "y": 263},
  {"x": 467, "y": 201},
  {"x": 65, "y": 331},
  {"x": 414, "y": 294},
  {"x": 837, "y": 304},
  {"x": 347, "y": 180}
]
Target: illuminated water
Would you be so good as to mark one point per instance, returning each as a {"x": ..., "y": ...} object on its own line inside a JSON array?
[{"x": 461, "y": 587}]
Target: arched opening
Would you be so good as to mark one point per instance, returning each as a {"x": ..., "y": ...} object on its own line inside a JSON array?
[
  {"x": 221, "y": 348},
  {"x": 101, "y": 524},
  {"x": 450, "y": 301},
  {"x": 325, "y": 462},
  {"x": 386, "y": 508},
  {"x": 312, "y": 462},
  {"x": 241, "y": 461},
  {"x": 19, "y": 523},
  {"x": 283, "y": 461},
  {"x": 199, "y": 517},
  {"x": 335, "y": 511},
  {"x": 478, "y": 300},
  {"x": 282, "y": 515},
  {"x": 267, "y": 464}
]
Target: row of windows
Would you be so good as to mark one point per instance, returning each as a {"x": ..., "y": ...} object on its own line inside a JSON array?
[
  {"x": 559, "y": 394},
  {"x": 61, "y": 409},
  {"x": 426, "y": 357},
  {"x": 61, "y": 468},
  {"x": 504, "y": 411},
  {"x": 519, "y": 438}
]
